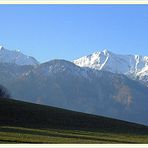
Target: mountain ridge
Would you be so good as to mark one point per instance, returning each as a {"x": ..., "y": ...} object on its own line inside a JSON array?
[
  {"x": 134, "y": 66},
  {"x": 16, "y": 57}
]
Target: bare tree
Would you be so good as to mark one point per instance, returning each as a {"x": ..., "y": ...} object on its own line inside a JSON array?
[{"x": 4, "y": 92}]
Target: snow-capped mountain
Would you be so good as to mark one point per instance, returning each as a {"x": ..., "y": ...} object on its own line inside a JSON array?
[
  {"x": 135, "y": 66},
  {"x": 16, "y": 57},
  {"x": 90, "y": 84}
]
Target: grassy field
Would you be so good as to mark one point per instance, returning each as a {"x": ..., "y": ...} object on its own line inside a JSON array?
[
  {"x": 22, "y": 122},
  {"x": 28, "y": 135}
]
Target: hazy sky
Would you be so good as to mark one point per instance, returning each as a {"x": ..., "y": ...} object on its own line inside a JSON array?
[{"x": 71, "y": 31}]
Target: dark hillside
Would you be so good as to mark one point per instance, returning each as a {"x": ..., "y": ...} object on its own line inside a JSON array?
[{"x": 23, "y": 114}]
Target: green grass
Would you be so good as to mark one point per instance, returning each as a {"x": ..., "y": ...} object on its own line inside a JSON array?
[
  {"x": 28, "y": 135},
  {"x": 22, "y": 122}
]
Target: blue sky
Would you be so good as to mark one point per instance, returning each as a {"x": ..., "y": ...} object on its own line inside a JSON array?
[{"x": 71, "y": 31}]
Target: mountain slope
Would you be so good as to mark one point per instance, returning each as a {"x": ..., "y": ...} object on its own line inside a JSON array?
[{"x": 63, "y": 84}]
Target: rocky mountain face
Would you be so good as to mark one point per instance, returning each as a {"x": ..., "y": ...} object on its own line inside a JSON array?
[
  {"x": 134, "y": 66},
  {"x": 63, "y": 84}
]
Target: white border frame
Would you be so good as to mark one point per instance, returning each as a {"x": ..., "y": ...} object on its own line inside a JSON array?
[{"x": 74, "y": 2}]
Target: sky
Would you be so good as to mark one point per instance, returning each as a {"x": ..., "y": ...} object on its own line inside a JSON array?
[{"x": 68, "y": 32}]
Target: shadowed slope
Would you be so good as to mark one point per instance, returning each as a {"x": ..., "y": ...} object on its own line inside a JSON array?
[{"x": 18, "y": 113}]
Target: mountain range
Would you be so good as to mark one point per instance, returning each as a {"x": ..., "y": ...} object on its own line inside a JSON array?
[{"x": 102, "y": 83}]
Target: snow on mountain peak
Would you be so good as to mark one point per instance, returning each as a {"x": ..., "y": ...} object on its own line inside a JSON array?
[
  {"x": 2, "y": 48},
  {"x": 15, "y": 57},
  {"x": 106, "y": 52},
  {"x": 95, "y": 60},
  {"x": 134, "y": 65}
]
